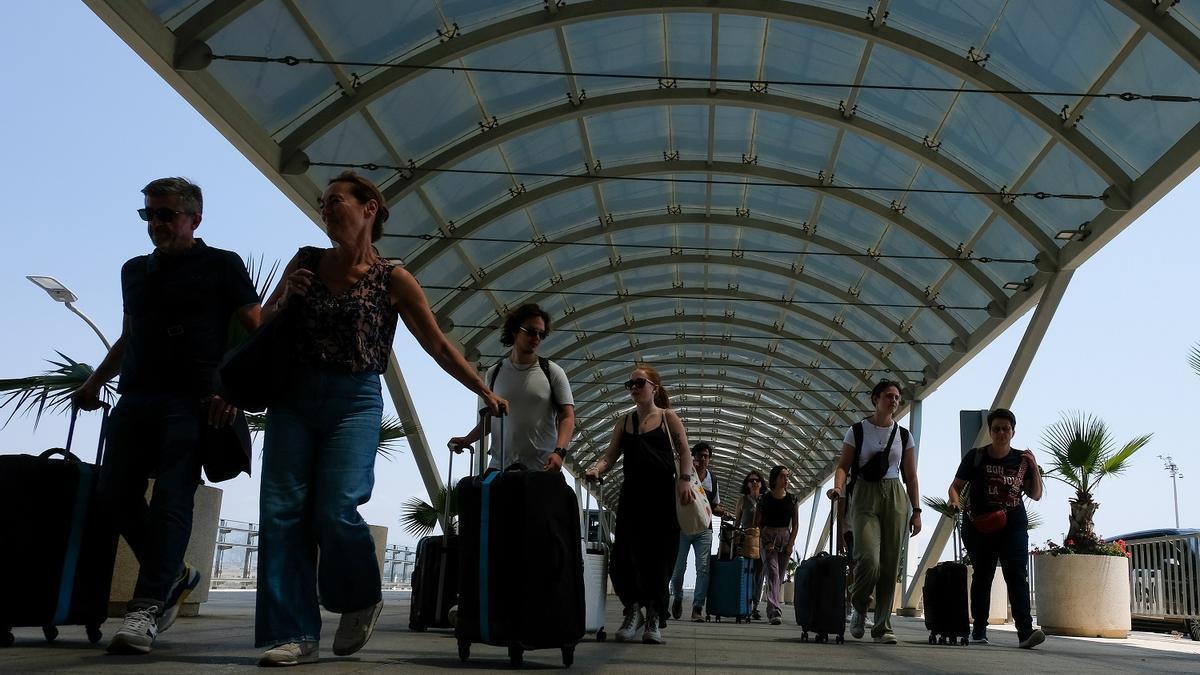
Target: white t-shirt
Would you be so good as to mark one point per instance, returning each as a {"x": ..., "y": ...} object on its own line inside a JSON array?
[
  {"x": 531, "y": 426},
  {"x": 874, "y": 438}
]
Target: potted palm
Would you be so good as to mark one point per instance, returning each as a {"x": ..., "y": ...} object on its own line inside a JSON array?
[
  {"x": 1083, "y": 584},
  {"x": 788, "y": 590}
]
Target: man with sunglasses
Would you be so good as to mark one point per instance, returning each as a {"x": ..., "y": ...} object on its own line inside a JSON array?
[
  {"x": 179, "y": 301},
  {"x": 701, "y": 543},
  {"x": 541, "y": 409}
]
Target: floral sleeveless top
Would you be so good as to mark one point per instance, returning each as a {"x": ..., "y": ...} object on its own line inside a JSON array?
[{"x": 352, "y": 331}]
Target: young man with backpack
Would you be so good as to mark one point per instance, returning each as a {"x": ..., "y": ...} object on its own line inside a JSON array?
[
  {"x": 541, "y": 409},
  {"x": 876, "y": 453}
]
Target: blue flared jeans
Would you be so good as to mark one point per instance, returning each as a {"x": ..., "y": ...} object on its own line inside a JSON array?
[{"x": 318, "y": 468}]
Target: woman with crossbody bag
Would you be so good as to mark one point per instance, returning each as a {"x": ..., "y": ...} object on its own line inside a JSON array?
[
  {"x": 876, "y": 453},
  {"x": 996, "y": 527}
]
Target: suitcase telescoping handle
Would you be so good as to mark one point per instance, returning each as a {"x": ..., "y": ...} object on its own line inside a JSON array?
[
  {"x": 66, "y": 451},
  {"x": 587, "y": 530},
  {"x": 835, "y": 528}
]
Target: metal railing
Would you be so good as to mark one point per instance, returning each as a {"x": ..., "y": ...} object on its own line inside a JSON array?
[
  {"x": 1165, "y": 577},
  {"x": 235, "y": 562}
]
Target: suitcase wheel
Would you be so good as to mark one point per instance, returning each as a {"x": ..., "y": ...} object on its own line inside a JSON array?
[
  {"x": 963, "y": 642},
  {"x": 94, "y": 634},
  {"x": 568, "y": 654},
  {"x": 6, "y": 639},
  {"x": 417, "y": 627},
  {"x": 516, "y": 655},
  {"x": 943, "y": 641},
  {"x": 804, "y": 636},
  {"x": 841, "y": 638},
  {"x": 51, "y": 633},
  {"x": 601, "y": 636},
  {"x": 464, "y": 650},
  {"x": 932, "y": 639}
]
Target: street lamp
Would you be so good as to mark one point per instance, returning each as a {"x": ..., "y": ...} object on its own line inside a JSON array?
[
  {"x": 1173, "y": 469},
  {"x": 60, "y": 293}
]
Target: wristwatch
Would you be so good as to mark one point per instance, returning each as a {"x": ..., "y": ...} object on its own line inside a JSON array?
[
  {"x": 561, "y": 452},
  {"x": 685, "y": 476}
]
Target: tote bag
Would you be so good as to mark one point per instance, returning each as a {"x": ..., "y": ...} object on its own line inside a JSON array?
[{"x": 696, "y": 517}]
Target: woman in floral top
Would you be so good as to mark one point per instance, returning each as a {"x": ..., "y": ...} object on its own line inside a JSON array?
[{"x": 322, "y": 436}]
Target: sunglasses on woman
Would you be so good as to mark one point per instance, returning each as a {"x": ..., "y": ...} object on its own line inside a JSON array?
[{"x": 636, "y": 383}]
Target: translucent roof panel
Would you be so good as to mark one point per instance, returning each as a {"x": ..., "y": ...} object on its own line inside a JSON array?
[{"x": 827, "y": 199}]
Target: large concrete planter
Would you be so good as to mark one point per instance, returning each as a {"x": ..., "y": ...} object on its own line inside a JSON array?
[
  {"x": 206, "y": 516},
  {"x": 788, "y": 592},
  {"x": 999, "y": 610},
  {"x": 379, "y": 534},
  {"x": 1083, "y": 595}
]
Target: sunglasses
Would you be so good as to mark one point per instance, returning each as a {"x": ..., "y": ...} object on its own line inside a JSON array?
[
  {"x": 636, "y": 383},
  {"x": 533, "y": 332},
  {"x": 754, "y": 480},
  {"x": 162, "y": 214}
]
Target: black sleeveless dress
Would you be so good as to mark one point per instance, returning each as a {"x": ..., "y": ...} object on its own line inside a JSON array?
[{"x": 646, "y": 537}]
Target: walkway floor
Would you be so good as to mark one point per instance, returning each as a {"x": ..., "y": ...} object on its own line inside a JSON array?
[{"x": 220, "y": 639}]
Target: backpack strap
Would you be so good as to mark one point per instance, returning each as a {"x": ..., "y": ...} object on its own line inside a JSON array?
[
  {"x": 544, "y": 364},
  {"x": 857, "y": 428},
  {"x": 495, "y": 372},
  {"x": 905, "y": 440}
]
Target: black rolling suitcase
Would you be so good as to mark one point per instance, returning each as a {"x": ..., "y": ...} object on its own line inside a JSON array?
[
  {"x": 944, "y": 596},
  {"x": 58, "y": 567},
  {"x": 820, "y": 595},
  {"x": 521, "y": 571},
  {"x": 435, "y": 575}
]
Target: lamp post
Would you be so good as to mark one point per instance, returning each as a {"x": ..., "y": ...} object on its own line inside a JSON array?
[
  {"x": 1173, "y": 469},
  {"x": 60, "y": 293}
]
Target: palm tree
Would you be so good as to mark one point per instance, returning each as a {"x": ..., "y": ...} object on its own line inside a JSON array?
[
  {"x": 48, "y": 391},
  {"x": 391, "y": 431},
  {"x": 1194, "y": 358},
  {"x": 419, "y": 517},
  {"x": 1083, "y": 453},
  {"x": 942, "y": 506}
]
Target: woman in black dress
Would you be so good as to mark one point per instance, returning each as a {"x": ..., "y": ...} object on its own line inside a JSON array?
[{"x": 654, "y": 444}]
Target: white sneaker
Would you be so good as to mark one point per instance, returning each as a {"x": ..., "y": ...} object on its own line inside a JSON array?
[
  {"x": 652, "y": 635},
  {"x": 137, "y": 632},
  {"x": 290, "y": 654},
  {"x": 886, "y": 639},
  {"x": 629, "y": 628},
  {"x": 355, "y": 629},
  {"x": 858, "y": 624}
]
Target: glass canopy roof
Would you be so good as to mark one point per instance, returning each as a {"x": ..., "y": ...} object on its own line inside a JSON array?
[{"x": 776, "y": 203}]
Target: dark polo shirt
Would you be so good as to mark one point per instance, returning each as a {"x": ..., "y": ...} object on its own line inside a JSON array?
[{"x": 179, "y": 308}]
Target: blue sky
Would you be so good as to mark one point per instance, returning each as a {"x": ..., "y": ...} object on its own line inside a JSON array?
[{"x": 87, "y": 123}]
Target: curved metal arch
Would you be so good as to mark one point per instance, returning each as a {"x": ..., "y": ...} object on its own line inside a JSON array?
[
  {"x": 940, "y": 57},
  {"x": 612, "y": 303},
  {"x": 890, "y": 325},
  {"x": 534, "y": 251},
  {"x": 590, "y": 340},
  {"x": 915, "y": 149},
  {"x": 748, "y": 405},
  {"x": 730, "y": 381},
  {"x": 788, "y": 360},
  {"x": 851, "y": 197},
  {"x": 1158, "y": 22}
]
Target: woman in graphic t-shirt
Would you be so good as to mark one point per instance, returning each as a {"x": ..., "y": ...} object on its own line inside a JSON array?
[{"x": 998, "y": 474}]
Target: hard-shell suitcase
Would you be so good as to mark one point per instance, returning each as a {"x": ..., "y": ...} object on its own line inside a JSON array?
[
  {"x": 944, "y": 597},
  {"x": 58, "y": 568},
  {"x": 521, "y": 572},
  {"x": 435, "y": 575},
  {"x": 730, "y": 588},
  {"x": 595, "y": 576},
  {"x": 820, "y": 595}
]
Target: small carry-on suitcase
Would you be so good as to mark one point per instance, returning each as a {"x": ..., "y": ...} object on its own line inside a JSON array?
[
  {"x": 59, "y": 566},
  {"x": 820, "y": 594},
  {"x": 944, "y": 596},
  {"x": 435, "y": 575},
  {"x": 521, "y": 573},
  {"x": 730, "y": 587},
  {"x": 595, "y": 576}
]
